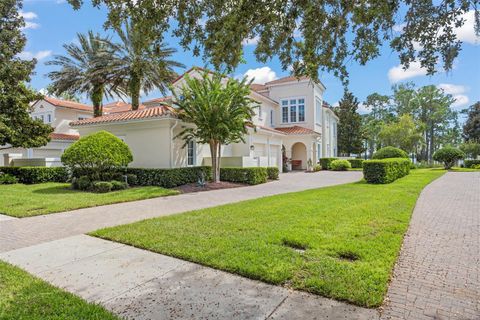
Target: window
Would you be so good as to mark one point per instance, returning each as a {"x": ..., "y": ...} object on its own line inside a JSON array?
[
  {"x": 49, "y": 118},
  {"x": 318, "y": 111},
  {"x": 42, "y": 117},
  {"x": 272, "y": 119},
  {"x": 319, "y": 150},
  {"x": 191, "y": 153},
  {"x": 260, "y": 113},
  {"x": 293, "y": 110}
]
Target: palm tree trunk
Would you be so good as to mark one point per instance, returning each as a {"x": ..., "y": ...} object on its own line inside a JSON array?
[
  {"x": 134, "y": 87},
  {"x": 97, "y": 97}
]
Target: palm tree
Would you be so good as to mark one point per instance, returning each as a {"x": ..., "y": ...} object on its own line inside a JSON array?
[
  {"x": 140, "y": 64},
  {"x": 85, "y": 70},
  {"x": 220, "y": 111}
]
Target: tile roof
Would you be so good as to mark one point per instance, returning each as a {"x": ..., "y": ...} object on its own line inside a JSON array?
[
  {"x": 258, "y": 87},
  {"x": 270, "y": 129},
  {"x": 296, "y": 130},
  {"x": 64, "y": 136},
  {"x": 286, "y": 79},
  {"x": 153, "y": 112},
  {"x": 119, "y": 106},
  {"x": 68, "y": 104},
  {"x": 158, "y": 101}
]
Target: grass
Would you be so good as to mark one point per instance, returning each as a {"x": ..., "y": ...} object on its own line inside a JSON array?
[
  {"x": 458, "y": 169},
  {"x": 21, "y": 200},
  {"x": 23, "y": 296},
  {"x": 340, "y": 242}
]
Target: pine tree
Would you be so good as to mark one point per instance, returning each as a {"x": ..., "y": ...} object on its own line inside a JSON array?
[
  {"x": 349, "y": 137},
  {"x": 471, "y": 129}
]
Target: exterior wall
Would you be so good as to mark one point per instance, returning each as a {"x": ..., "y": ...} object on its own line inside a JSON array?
[
  {"x": 60, "y": 117},
  {"x": 329, "y": 133}
]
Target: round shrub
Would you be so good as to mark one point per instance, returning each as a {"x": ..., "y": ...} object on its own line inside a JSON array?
[
  {"x": 390, "y": 152},
  {"x": 82, "y": 183},
  {"x": 476, "y": 166},
  {"x": 97, "y": 154},
  {"x": 448, "y": 156},
  {"x": 118, "y": 185},
  {"x": 340, "y": 165},
  {"x": 7, "y": 178},
  {"x": 102, "y": 186}
]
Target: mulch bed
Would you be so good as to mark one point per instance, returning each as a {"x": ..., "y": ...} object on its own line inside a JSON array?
[{"x": 192, "y": 187}]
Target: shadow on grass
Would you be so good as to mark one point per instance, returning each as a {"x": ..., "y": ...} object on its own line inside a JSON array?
[{"x": 56, "y": 190}]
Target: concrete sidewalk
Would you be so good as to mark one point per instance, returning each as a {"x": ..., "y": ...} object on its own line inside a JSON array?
[
  {"x": 138, "y": 284},
  {"x": 19, "y": 233}
]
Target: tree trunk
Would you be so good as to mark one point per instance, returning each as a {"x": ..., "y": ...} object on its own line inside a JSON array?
[
  {"x": 219, "y": 155},
  {"x": 432, "y": 146},
  {"x": 134, "y": 88},
  {"x": 213, "y": 154},
  {"x": 97, "y": 97}
]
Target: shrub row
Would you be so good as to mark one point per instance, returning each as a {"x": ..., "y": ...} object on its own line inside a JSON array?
[
  {"x": 169, "y": 178},
  {"x": 340, "y": 165},
  {"x": 30, "y": 175},
  {"x": 251, "y": 175},
  {"x": 470, "y": 163},
  {"x": 272, "y": 173},
  {"x": 325, "y": 163},
  {"x": 356, "y": 163},
  {"x": 385, "y": 170}
]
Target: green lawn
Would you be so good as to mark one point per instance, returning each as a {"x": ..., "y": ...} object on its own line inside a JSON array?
[
  {"x": 21, "y": 200},
  {"x": 352, "y": 234},
  {"x": 23, "y": 296}
]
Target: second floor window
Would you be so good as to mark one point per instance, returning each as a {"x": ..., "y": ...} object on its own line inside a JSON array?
[
  {"x": 272, "y": 118},
  {"x": 293, "y": 110}
]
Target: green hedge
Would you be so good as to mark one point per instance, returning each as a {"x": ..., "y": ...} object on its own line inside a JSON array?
[
  {"x": 385, "y": 170},
  {"x": 340, "y": 165},
  {"x": 273, "y": 173},
  {"x": 470, "y": 163},
  {"x": 390, "y": 152},
  {"x": 325, "y": 163},
  {"x": 356, "y": 163},
  {"x": 31, "y": 175},
  {"x": 250, "y": 175},
  {"x": 169, "y": 178}
]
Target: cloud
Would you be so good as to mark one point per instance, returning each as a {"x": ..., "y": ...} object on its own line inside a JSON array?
[
  {"x": 397, "y": 73},
  {"x": 466, "y": 33},
  {"x": 31, "y": 25},
  {"x": 27, "y": 55},
  {"x": 261, "y": 75},
  {"x": 27, "y": 16},
  {"x": 458, "y": 93}
]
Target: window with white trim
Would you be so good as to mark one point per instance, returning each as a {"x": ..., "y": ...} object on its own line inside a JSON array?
[
  {"x": 272, "y": 118},
  {"x": 293, "y": 110},
  {"x": 191, "y": 153}
]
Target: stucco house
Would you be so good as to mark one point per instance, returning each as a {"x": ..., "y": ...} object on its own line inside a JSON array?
[{"x": 292, "y": 114}]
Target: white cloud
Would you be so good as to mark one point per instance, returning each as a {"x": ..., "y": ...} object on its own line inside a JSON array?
[
  {"x": 251, "y": 42},
  {"x": 397, "y": 73},
  {"x": 27, "y": 55},
  {"x": 466, "y": 33},
  {"x": 27, "y": 16},
  {"x": 261, "y": 75},
  {"x": 458, "y": 93},
  {"x": 31, "y": 25}
]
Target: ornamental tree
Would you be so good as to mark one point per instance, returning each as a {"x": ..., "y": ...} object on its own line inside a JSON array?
[
  {"x": 449, "y": 156},
  {"x": 97, "y": 153},
  {"x": 390, "y": 152}
]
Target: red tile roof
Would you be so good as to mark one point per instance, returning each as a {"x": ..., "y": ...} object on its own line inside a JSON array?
[
  {"x": 286, "y": 79},
  {"x": 270, "y": 129},
  {"x": 119, "y": 106},
  {"x": 64, "y": 136},
  {"x": 153, "y": 112},
  {"x": 258, "y": 87},
  {"x": 68, "y": 104},
  {"x": 297, "y": 130},
  {"x": 158, "y": 101}
]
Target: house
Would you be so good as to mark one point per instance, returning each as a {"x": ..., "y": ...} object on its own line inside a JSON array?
[
  {"x": 292, "y": 120},
  {"x": 57, "y": 113}
]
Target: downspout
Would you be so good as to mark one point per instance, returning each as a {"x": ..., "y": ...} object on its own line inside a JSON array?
[{"x": 171, "y": 143}]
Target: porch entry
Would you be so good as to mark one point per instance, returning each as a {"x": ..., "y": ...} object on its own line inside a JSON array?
[{"x": 299, "y": 156}]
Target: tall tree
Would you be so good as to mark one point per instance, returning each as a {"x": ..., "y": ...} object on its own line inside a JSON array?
[
  {"x": 219, "y": 110},
  {"x": 140, "y": 63},
  {"x": 381, "y": 112},
  {"x": 312, "y": 35},
  {"x": 17, "y": 128},
  {"x": 349, "y": 136},
  {"x": 86, "y": 69},
  {"x": 471, "y": 129},
  {"x": 403, "y": 134}
]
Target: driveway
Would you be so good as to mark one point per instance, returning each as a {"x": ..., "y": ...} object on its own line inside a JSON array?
[{"x": 19, "y": 233}]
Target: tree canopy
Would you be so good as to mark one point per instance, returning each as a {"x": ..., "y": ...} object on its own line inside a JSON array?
[
  {"x": 310, "y": 36},
  {"x": 471, "y": 129},
  {"x": 17, "y": 128},
  {"x": 349, "y": 135}
]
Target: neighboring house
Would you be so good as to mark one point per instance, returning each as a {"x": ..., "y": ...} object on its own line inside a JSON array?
[
  {"x": 292, "y": 114},
  {"x": 57, "y": 113}
]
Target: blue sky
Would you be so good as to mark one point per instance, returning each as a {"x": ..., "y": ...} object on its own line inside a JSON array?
[{"x": 52, "y": 23}]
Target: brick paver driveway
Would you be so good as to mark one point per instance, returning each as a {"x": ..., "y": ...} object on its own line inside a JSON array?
[{"x": 438, "y": 274}]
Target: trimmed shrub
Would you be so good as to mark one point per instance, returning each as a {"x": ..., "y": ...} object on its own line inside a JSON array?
[
  {"x": 470, "y": 163},
  {"x": 449, "y": 156},
  {"x": 385, "y": 170},
  {"x": 31, "y": 175},
  {"x": 131, "y": 179},
  {"x": 390, "y": 152},
  {"x": 340, "y": 165},
  {"x": 169, "y": 178},
  {"x": 325, "y": 163},
  {"x": 476, "y": 166},
  {"x": 273, "y": 173},
  {"x": 82, "y": 183},
  {"x": 98, "y": 153},
  {"x": 252, "y": 175},
  {"x": 6, "y": 178},
  {"x": 356, "y": 163},
  {"x": 317, "y": 167},
  {"x": 118, "y": 185},
  {"x": 102, "y": 186}
]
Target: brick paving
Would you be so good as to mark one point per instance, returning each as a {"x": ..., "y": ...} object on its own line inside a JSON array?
[
  {"x": 437, "y": 275},
  {"x": 19, "y": 233}
]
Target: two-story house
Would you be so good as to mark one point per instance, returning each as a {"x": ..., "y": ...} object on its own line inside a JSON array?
[
  {"x": 57, "y": 113},
  {"x": 292, "y": 120}
]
